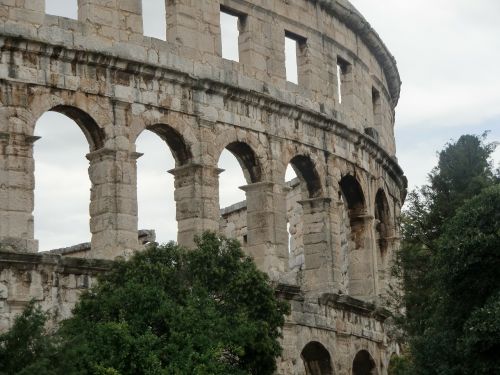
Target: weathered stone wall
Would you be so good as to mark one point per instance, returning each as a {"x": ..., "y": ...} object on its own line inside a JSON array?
[
  {"x": 115, "y": 83},
  {"x": 51, "y": 280}
]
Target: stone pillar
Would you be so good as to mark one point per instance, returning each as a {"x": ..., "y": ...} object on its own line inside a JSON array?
[
  {"x": 113, "y": 206},
  {"x": 194, "y": 27},
  {"x": 197, "y": 203},
  {"x": 362, "y": 280},
  {"x": 17, "y": 183},
  {"x": 253, "y": 55},
  {"x": 266, "y": 227},
  {"x": 318, "y": 252},
  {"x": 25, "y": 11},
  {"x": 115, "y": 20}
]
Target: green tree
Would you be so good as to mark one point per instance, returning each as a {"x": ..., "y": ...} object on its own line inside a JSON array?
[
  {"x": 435, "y": 318},
  {"x": 25, "y": 349},
  {"x": 172, "y": 311}
]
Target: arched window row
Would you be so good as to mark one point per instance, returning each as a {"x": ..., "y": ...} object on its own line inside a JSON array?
[{"x": 297, "y": 227}]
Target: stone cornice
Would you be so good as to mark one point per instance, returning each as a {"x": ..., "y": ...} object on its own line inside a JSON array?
[{"x": 62, "y": 264}]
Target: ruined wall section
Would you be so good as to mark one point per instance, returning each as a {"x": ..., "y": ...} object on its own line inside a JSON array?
[
  {"x": 115, "y": 83},
  {"x": 53, "y": 282}
]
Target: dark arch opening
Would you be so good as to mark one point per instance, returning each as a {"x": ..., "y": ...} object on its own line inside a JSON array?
[
  {"x": 352, "y": 192},
  {"x": 247, "y": 159},
  {"x": 180, "y": 150},
  {"x": 94, "y": 134},
  {"x": 382, "y": 217},
  {"x": 352, "y": 195},
  {"x": 317, "y": 360},
  {"x": 306, "y": 170},
  {"x": 364, "y": 364}
]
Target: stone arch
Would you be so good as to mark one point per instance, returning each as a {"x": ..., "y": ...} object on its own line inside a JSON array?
[
  {"x": 352, "y": 195},
  {"x": 178, "y": 131},
  {"x": 249, "y": 150},
  {"x": 94, "y": 134},
  {"x": 317, "y": 360},
  {"x": 78, "y": 191},
  {"x": 248, "y": 161},
  {"x": 382, "y": 221},
  {"x": 80, "y": 108},
  {"x": 307, "y": 172},
  {"x": 175, "y": 141},
  {"x": 364, "y": 364}
]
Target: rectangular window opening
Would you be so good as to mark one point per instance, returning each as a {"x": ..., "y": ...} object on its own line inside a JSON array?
[
  {"x": 230, "y": 25},
  {"x": 343, "y": 69},
  {"x": 294, "y": 53},
  {"x": 62, "y": 8},
  {"x": 154, "y": 19},
  {"x": 377, "y": 111}
]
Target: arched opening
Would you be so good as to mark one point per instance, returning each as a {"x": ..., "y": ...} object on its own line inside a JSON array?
[
  {"x": 175, "y": 141},
  {"x": 364, "y": 364},
  {"x": 62, "y": 189},
  {"x": 316, "y": 359},
  {"x": 155, "y": 187},
  {"x": 383, "y": 233},
  {"x": 239, "y": 167},
  {"x": 354, "y": 201},
  {"x": 66, "y": 8},
  {"x": 355, "y": 259},
  {"x": 306, "y": 171},
  {"x": 154, "y": 19},
  {"x": 382, "y": 221},
  {"x": 302, "y": 182},
  {"x": 294, "y": 219}
]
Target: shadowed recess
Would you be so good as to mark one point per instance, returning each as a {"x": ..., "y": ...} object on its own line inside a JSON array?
[
  {"x": 247, "y": 159},
  {"x": 352, "y": 192},
  {"x": 306, "y": 170},
  {"x": 316, "y": 359},
  {"x": 382, "y": 216},
  {"x": 180, "y": 150},
  {"x": 364, "y": 364}
]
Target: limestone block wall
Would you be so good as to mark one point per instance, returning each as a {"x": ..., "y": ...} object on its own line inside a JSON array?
[
  {"x": 52, "y": 281},
  {"x": 335, "y": 127}
]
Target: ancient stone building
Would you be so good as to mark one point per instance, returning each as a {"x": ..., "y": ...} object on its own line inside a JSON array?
[{"x": 335, "y": 127}]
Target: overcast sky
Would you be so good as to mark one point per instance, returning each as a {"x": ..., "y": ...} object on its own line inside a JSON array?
[{"x": 448, "y": 53}]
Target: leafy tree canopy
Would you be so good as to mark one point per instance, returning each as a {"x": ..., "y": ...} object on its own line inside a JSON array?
[
  {"x": 450, "y": 264},
  {"x": 171, "y": 311}
]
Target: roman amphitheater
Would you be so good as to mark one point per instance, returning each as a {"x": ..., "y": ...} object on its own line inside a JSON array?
[{"x": 335, "y": 126}]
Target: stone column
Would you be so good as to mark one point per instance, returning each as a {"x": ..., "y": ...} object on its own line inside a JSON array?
[
  {"x": 17, "y": 183},
  {"x": 115, "y": 20},
  {"x": 194, "y": 28},
  {"x": 113, "y": 206},
  {"x": 318, "y": 252},
  {"x": 197, "y": 204},
  {"x": 266, "y": 227}
]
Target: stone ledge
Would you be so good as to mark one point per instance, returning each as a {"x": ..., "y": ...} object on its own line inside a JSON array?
[
  {"x": 355, "y": 305},
  {"x": 62, "y": 264}
]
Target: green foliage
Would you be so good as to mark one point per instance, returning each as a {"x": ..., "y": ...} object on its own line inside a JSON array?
[
  {"x": 171, "y": 311},
  {"x": 26, "y": 343},
  {"x": 400, "y": 365},
  {"x": 450, "y": 261}
]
